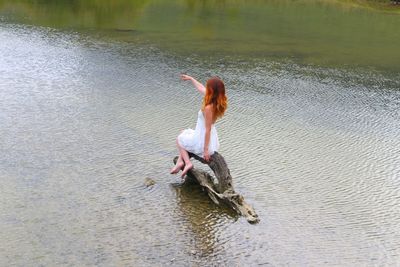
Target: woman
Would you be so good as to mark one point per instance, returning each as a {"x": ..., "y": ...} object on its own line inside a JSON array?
[{"x": 203, "y": 141}]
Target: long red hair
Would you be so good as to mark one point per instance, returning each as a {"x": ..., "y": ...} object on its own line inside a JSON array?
[{"x": 215, "y": 95}]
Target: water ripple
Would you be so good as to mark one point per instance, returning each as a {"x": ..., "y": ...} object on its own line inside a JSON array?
[{"x": 85, "y": 122}]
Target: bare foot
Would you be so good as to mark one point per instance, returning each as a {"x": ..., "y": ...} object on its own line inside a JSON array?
[
  {"x": 177, "y": 168},
  {"x": 188, "y": 166}
]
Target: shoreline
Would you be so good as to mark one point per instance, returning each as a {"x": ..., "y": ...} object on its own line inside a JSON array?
[{"x": 375, "y": 5}]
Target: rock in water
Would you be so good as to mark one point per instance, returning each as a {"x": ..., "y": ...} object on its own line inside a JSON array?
[{"x": 149, "y": 182}]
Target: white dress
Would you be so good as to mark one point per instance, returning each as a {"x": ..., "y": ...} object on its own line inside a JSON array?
[{"x": 193, "y": 140}]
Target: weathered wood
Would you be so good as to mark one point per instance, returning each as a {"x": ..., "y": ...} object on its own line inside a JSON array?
[
  {"x": 218, "y": 165},
  {"x": 223, "y": 190}
]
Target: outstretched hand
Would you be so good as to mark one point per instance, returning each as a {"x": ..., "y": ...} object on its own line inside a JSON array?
[
  {"x": 206, "y": 156},
  {"x": 196, "y": 84},
  {"x": 185, "y": 77}
]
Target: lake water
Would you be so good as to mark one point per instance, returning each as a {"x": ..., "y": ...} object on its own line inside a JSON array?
[{"x": 91, "y": 103}]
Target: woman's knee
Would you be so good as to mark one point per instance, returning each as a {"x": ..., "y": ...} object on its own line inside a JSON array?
[{"x": 177, "y": 138}]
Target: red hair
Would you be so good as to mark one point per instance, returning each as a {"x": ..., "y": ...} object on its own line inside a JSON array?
[{"x": 215, "y": 95}]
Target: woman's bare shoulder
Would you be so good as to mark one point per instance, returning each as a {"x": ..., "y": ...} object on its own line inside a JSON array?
[{"x": 208, "y": 108}]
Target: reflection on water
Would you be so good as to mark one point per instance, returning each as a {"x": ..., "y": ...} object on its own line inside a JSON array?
[
  {"x": 85, "y": 121},
  {"x": 324, "y": 33},
  {"x": 204, "y": 217}
]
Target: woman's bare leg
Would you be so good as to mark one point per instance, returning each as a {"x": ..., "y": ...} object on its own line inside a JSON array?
[
  {"x": 179, "y": 163},
  {"x": 186, "y": 159},
  {"x": 178, "y": 166}
]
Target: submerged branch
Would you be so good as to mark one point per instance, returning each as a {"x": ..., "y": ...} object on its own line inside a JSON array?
[{"x": 223, "y": 190}]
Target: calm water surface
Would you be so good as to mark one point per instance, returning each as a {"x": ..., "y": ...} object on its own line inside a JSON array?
[{"x": 87, "y": 114}]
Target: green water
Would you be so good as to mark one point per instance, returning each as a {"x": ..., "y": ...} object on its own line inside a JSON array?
[
  {"x": 323, "y": 33},
  {"x": 91, "y": 104}
]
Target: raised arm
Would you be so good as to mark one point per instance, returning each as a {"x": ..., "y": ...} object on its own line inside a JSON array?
[{"x": 196, "y": 83}]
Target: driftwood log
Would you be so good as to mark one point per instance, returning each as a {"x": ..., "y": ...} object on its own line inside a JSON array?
[{"x": 223, "y": 190}]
